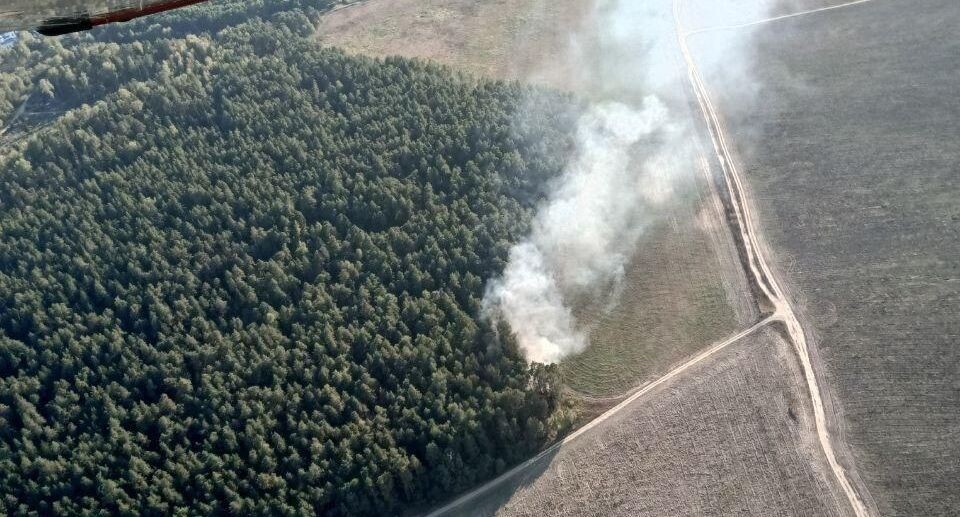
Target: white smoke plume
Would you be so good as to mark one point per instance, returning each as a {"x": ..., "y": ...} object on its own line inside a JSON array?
[
  {"x": 583, "y": 236},
  {"x": 634, "y": 144}
]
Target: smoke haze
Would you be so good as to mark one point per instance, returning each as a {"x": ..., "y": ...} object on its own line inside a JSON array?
[
  {"x": 585, "y": 233},
  {"x": 634, "y": 145}
]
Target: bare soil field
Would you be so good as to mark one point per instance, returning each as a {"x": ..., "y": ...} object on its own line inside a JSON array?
[
  {"x": 851, "y": 155},
  {"x": 730, "y": 436},
  {"x": 684, "y": 288}
]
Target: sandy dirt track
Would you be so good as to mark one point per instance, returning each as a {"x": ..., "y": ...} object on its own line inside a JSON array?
[
  {"x": 732, "y": 435},
  {"x": 758, "y": 265},
  {"x": 486, "y": 487},
  {"x": 850, "y": 160}
]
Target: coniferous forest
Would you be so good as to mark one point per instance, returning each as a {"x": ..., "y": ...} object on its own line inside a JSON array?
[{"x": 241, "y": 274}]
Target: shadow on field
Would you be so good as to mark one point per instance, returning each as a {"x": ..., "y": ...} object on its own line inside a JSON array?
[{"x": 491, "y": 500}]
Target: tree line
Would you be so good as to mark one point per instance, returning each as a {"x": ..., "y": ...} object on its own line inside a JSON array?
[{"x": 242, "y": 275}]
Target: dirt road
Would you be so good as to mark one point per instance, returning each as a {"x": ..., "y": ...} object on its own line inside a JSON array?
[
  {"x": 758, "y": 267},
  {"x": 757, "y": 262},
  {"x": 486, "y": 487}
]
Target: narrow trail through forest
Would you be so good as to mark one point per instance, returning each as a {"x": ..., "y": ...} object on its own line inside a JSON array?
[{"x": 757, "y": 262}]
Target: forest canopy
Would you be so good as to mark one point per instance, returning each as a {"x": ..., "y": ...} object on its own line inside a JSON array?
[{"x": 241, "y": 274}]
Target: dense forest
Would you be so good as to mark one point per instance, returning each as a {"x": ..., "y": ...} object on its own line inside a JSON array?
[
  {"x": 85, "y": 67},
  {"x": 240, "y": 274}
]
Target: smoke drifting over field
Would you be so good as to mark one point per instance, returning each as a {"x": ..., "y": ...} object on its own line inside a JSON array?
[
  {"x": 634, "y": 144},
  {"x": 584, "y": 234}
]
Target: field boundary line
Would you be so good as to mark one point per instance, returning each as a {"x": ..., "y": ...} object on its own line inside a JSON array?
[
  {"x": 486, "y": 487},
  {"x": 775, "y": 18}
]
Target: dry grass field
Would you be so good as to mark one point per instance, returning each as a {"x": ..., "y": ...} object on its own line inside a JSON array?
[
  {"x": 684, "y": 287},
  {"x": 731, "y": 436},
  {"x": 683, "y": 290},
  {"x": 506, "y": 39},
  {"x": 851, "y": 156}
]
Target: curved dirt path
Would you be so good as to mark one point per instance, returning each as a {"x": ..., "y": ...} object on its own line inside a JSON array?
[
  {"x": 758, "y": 265},
  {"x": 486, "y": 487}
]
